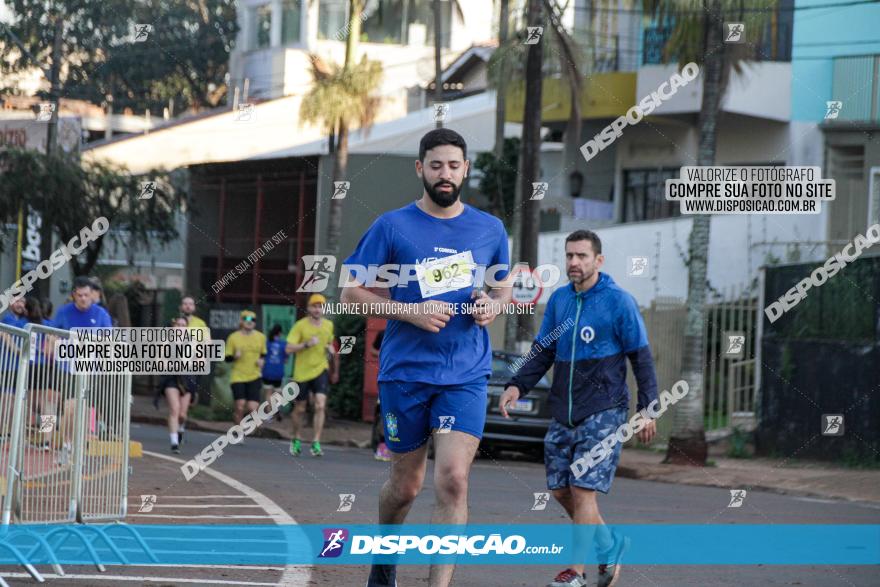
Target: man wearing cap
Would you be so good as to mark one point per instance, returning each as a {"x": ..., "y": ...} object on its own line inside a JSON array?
[
  {"x": 311, "y": 339},
  {"x": 245, "y": 349}
]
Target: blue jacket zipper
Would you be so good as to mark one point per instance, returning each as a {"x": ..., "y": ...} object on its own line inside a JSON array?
[{"x": 571, "y": 366}]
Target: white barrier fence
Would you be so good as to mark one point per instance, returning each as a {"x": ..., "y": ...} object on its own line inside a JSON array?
[{"x": 64, "y": 437}]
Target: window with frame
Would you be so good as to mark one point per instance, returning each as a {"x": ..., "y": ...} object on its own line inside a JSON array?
[
  {"x": 385, "y": 21},
  {"x": 291, "y": 14},
  {"x": 644, "y": 194},
  {"x": 262, "y": 23},
  {"x": 332, "y": 19}
]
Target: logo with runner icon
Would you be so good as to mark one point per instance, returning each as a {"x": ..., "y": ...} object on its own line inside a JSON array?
[
  {"x": 334, "y": 541},
  {"x": 446, "y": 423},
  {"x": 318, "y": 270}
]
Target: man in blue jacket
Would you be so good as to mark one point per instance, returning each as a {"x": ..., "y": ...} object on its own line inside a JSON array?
[{"x": 590, "y": 328}]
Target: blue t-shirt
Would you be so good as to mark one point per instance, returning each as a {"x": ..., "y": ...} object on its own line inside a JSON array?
[
  {"x": 12, "y": 319},
  {"x": 461, "y": 351},
  {"x": 275, "y": 359},
  {"x": 69, "y": 316}
]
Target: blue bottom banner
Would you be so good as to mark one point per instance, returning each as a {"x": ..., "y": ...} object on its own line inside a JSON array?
[{"x": 419, "y": 544}]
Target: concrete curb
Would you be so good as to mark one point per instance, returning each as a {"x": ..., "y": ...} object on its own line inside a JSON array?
[{"x": 630, "y": 472}]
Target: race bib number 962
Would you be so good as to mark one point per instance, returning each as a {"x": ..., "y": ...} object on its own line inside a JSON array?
[{"x": 446, "y": 274}]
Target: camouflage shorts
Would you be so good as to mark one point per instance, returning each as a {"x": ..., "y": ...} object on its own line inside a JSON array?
[{"x": 564, "y": 445}]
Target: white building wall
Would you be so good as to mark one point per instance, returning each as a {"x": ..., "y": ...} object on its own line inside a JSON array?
[
  {"x": 281, "y": 71},
  {"x": 738, "y": 246},
  {"x": 762, "y": 90}
]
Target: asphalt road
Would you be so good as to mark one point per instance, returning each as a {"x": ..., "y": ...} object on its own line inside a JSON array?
[{"x": 501, "y": 491}]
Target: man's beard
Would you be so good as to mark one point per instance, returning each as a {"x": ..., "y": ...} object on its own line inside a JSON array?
[
  {"x": 442, "y": 199},
  {"x": 578, "y": 278}
]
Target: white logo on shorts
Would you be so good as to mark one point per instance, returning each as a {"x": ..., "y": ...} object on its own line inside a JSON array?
[{"x": 446, "y": 423}]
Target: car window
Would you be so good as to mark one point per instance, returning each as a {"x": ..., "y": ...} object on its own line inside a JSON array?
[{"x": 501, "y": 370}]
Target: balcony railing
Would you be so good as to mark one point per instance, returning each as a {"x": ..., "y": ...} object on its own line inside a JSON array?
[{"x": 775, "y": 44}]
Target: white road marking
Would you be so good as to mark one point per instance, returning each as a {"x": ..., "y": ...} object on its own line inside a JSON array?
[
  {"x": 294, "y": 575},
  {"x": 201, "y": 497},
  {"x": 201, "y": 506},
  {"x": 239, "y": 567},
  {"x": 226, "y": 517},
  {"x": 172, "y": 580}
]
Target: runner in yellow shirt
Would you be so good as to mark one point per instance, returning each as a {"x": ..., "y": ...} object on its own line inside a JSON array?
[
  {"x": 245, "y": 349},
  {"x": 188, "y": 308},
  {"x": 311, "y": 339}
]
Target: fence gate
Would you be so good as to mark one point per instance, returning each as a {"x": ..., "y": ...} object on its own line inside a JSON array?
[
  {"x": 728, "y": 376},
  {"x": 728, "y": 358}
]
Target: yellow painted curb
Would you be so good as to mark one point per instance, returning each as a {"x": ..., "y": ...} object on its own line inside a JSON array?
[
  {"x": 135, "y": 449},
  {"x": 103, "y": 448}
]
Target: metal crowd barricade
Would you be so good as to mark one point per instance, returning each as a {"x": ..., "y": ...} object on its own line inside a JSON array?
[
  {"x": 64, "y": 448},
  {"x": 102, "y": 494},
  {"x": 46, "y": 492},
  {"x": 14, "y": 344}
]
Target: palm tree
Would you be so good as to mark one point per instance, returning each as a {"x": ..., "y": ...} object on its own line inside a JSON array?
[
  {"x": 338, "y": 97},
  {"x": 697, "y": 36},
  {"x": 506, "y": 65}
]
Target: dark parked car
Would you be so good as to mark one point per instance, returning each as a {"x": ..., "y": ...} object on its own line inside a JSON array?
[{"x": 528, "y": 421}]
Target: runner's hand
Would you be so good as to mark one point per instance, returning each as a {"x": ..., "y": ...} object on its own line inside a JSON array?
[
  {"x": 486, "y": 309},
  {"x": 430, "y": 316},
  {"x": 260, "y": 363},
  {"x": 237, "y": 354},
  {"x": 647, "y": 433},
  {"x": 313, "y": 341},
  {"x": 334, "y": 378},
  {"x": 508, "y": 398}
]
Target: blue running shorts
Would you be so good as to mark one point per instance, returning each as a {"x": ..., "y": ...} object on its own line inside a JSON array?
[
  {"x": 411, "y": 410},
  {"x": 564, "y": 445}
]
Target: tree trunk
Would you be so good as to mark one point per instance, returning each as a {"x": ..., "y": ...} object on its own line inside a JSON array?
[
  {"x": 530, "y": 158},
  {"x": 334, "y": 219},
  {"x": 340, "y": 161},
  {"x": 497, "y": 203},
  {"x": 511, "y": 325},
  {"x": 41, "y": 286},
  {"x": 438, "y": 64},
  {"x": 687, "y": 442}
]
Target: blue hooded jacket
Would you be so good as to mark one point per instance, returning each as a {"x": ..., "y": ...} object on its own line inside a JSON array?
[{"x": 587, "y": 336}]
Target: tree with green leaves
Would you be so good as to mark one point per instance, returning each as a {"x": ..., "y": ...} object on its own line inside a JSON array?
[
  {"x": 523, "y": 58},
  {"x": 698, "y": 35},
  {"x": 69, "y": 195},
  {"x": 498, "y": 176},
  {"x": 338, "y": 97},
  {"x": 182, "y": 60}
]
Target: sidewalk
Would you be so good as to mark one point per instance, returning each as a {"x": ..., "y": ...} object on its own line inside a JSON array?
[
  {"x": 778, "y": 475},
  {"x": 813, "y": 478}
]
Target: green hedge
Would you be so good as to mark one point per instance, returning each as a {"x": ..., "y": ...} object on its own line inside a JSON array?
[{"x": 347, "y": 395}]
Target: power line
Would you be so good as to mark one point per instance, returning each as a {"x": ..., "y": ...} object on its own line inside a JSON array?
[{"x": 736, "y": 10}]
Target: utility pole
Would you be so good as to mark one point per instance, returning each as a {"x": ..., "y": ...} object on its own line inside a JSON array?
[{"x": 438, "y": 65}]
